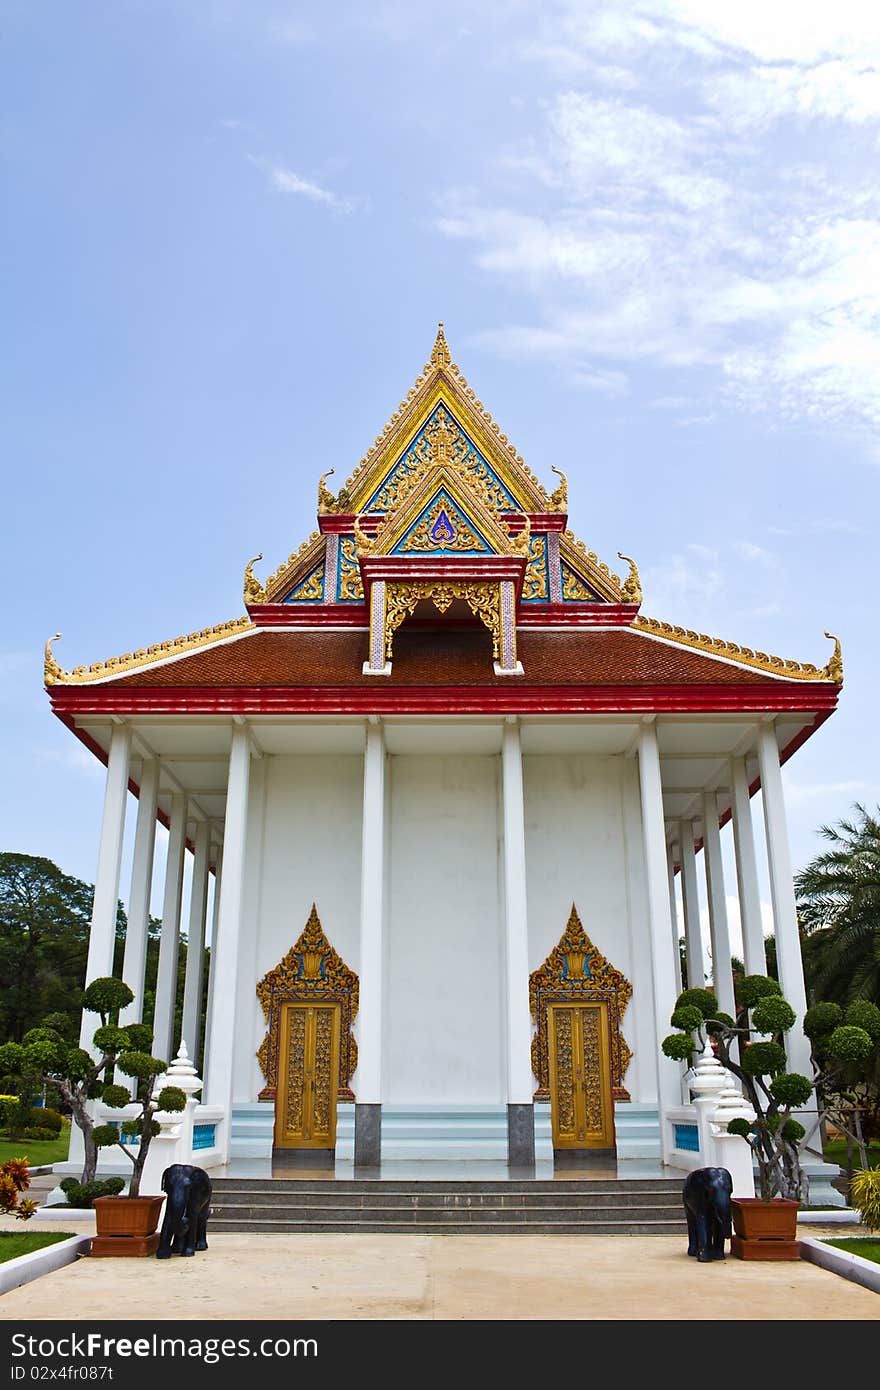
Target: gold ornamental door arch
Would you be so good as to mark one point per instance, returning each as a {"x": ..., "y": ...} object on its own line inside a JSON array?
[
  {"x": 309, "y": 1053},
  {"x": 579, "y": 1053},
  {"x": 483, "y": 598}
]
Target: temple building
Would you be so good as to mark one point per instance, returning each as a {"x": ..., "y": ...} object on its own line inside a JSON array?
[{"x": 442, "y": 776}]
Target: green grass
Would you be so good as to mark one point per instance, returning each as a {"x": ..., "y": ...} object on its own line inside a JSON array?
[
  {"x": 13, "y": 1244},
  {"x": 36, "y": 1151},
  {"x": 835, "y": 1152},
  {"x": 866, "y": 1247}
]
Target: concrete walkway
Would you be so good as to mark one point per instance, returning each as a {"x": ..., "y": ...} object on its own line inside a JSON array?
[{"x": 623, "y": 1278}]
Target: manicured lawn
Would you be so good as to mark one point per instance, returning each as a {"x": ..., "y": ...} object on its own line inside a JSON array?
[
  {"x": 36, "y": 1151},
  {"x": 835, "y": 1152},
  {"x": 12, "y": 1243},
  {"x": 866, "y": 1247}
]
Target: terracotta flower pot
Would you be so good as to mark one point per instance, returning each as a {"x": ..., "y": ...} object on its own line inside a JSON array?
[
  {"x": 764, "y": 1230},
  {"x": 126, "y": 1225}
]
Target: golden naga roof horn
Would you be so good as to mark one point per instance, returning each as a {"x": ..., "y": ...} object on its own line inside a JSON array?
[
  {"x": 254, "y": 591},
  {"x": 631, "y": 589}
]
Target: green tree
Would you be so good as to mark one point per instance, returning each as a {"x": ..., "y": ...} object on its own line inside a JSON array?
[
  {"x": 44, "y": 942},
  {"x": 839, "y": 909}
]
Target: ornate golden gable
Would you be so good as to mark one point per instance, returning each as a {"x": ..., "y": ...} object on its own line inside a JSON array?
[
  {"x": 574, "y": 971},
  {"x": 311, "y": 970}
]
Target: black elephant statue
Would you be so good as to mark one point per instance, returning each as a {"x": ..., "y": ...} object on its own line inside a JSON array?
[
  {"x": 706, "y": 1195},
  {"x": 187, "y": 1208}
]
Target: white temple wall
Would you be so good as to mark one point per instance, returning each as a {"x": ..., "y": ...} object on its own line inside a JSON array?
[
  {"x": 444, "y": 1037},
  {"x": 583, "y": 845},
  {"x": 304, "y": 846}
]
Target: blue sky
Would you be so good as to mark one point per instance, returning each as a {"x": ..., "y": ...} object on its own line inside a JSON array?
[{"x": 652, "y": 229}]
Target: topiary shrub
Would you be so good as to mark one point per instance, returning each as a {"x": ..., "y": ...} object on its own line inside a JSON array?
[
  {"x": 821, "y": 1020},
  {"x": 850, "y": 1044},
  {"x": 678, "y": 1046},
  {"x": 37, "y": 1132},
  {"x": 82, "y": 1194},
  {"x": 751, "y": 988},
  {"x": 686, "y": 1017},
  {"x": 763, "y": 1058},
  {"x": 773, "y": 1014},
  {"x": 702, "y": 999},
  {"x": 863, "y": 1014}
]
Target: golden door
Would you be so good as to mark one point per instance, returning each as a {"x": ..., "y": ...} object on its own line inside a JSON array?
[
  {"x": 308, "y": 1077},
  {"x": 581, "y": 1109}
]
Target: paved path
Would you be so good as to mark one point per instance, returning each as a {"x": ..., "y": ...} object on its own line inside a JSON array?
[{"x": 440, "y": 1277}]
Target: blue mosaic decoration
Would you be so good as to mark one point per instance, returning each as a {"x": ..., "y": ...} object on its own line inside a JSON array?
[
  {"x": 442, "y": 529},
  {"x": 687, "y": 1137},
  {"x": 310, "y": 589},
  {"x": 464, "y": 454},
  {"x": 203, "y": 1136}
]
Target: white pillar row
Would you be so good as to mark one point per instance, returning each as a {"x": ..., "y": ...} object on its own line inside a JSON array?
[
  {"x": 719, "y": 929},
  {"x": 673, "y": 913},
  {"x": 788, "y": 946},
  {"x": 746, "y": 871},
  {"x": 215, "y": 912},
  {"x": 135, "y": 958},
  {"x": 654, "y": 846},
  {"x": 220, "y": 1041},
  {"x": 520, "y": 1080},
  {"x": 166, "y": 976},
  {"x": 690, "y": 899},
  {"x": 368, "y": 1114},
  {"x": 190, "y": 1031},
  {"x": 102, "y": 933}
]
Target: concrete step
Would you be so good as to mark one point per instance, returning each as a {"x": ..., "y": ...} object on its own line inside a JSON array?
[
  {"x": 227, "y": 1202},
  {"x": 386, "y": 1224},
  {"x": 585, "y": 1187}
]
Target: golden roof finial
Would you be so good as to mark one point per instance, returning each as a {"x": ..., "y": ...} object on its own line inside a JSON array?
[
  {"x": 52, "y": 672},
  {"x": 440, "y": 354},
  {"x": 520, "y": 543},
  {"x": 254, "y": 591},
  {"x": 833, "y": 671},
  {"x": 559, "y": 498},
  {"x": 362, "y": 541},
  {"x": 326, "y": 500},
  {"x": 631, "y": 590}
]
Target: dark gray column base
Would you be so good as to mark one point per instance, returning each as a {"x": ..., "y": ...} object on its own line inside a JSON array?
[
  {"x": 303, "y": 1158},
  {"x": 521, "y": 1138},
  {"x": 367, "y": 1136}
]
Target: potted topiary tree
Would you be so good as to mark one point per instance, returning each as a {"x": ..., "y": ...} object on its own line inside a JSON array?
[
  {"x": 751, "y": 1048},
  {"x": 127, "y": 1225}
]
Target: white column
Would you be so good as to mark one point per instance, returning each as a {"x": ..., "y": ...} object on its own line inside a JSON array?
[
  {"x": 215, "y": 913},
  {"x": 369, "y": 1067},
  {"x": 673, "y": 913},
  {"x": 520, "y": 1081},
  {"x": 690, "y": 897},
  {"x": 220, "y": 1042},
  {"x": 135, "y": 959},
  {"x": 166, "y": 976},
  {"x": 102, "y": 933},
  {"x": 788, "y": 947},
  {"x": 654, "y": 846},
  {"x": 195, "y": 950},
  {"x": 746, "y": 871},
  {"x": 722, "y": 974}
]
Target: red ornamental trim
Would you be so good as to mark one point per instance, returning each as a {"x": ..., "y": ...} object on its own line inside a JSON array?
[
  {"x": 597, "y": 614},
  {"x": 309, "y": 615},
  {"x": 379, "y": 698}
]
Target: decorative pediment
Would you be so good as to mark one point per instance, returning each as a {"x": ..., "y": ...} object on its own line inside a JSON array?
[
  {"x": 443, "y": 514},
  {"x": 442, "y": 439},
  {"x": 576, "y": 970},
  {"x": 442, "y": 529},
  {"x": 310, "y": 589},
  {"x": 311, "y": 970}
]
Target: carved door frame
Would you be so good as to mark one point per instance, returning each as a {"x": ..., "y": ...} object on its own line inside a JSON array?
[
  {"x": 604, "y": 1140},
  {"x": 307, "y": 1140}
]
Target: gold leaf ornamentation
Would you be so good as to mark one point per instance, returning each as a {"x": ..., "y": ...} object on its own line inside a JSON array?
[
  {"x": 558, "y": 501},
  {"x": 311, "y": 588},
  {"x": 311, "y": 970},
  {"x": 576, "y": 972},
  {"x": 631, "y": 591},
  {"x": 52, "y": 672},
  {"x": 299, "y": 559},
  {"x": 350, "y": 583},
  {"x": 443, "y": 441},
  {"x": 573, "y": 587},
  {"x": 328, "y": 505},
  {"x": 535, "y": 585},
  {"x": 364, "y": 544},
  {"x": 520, "y": 543},
  {"x": 145, "y": 656},
  {"x": 437, "y": 531},
  {"x": 717, "y": 646},
  {"x": 483, "y": 599},
  {"x": 254, "y": 591},
  {"x": 833, "y": 670}
]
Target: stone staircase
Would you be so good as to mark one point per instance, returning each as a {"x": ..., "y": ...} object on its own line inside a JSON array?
[{"x": 647, "y": 1206}]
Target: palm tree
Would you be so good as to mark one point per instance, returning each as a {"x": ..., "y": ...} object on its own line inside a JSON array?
[{"x": 839, "y": 908}]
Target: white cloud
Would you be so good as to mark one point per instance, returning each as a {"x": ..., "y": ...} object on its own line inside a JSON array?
[
  {"x": 286, "y": 181},
  {"x": 683, "y": 233}
]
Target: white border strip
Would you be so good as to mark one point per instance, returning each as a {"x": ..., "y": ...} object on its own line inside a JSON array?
[
  {"x": 14, "y": 1273},
  {"x": 854, "y": 1267}
]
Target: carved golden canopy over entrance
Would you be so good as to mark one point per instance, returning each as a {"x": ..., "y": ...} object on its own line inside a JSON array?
[
  {"x": 576, "y": 971},
  {"x": 311, "y": 971}
]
